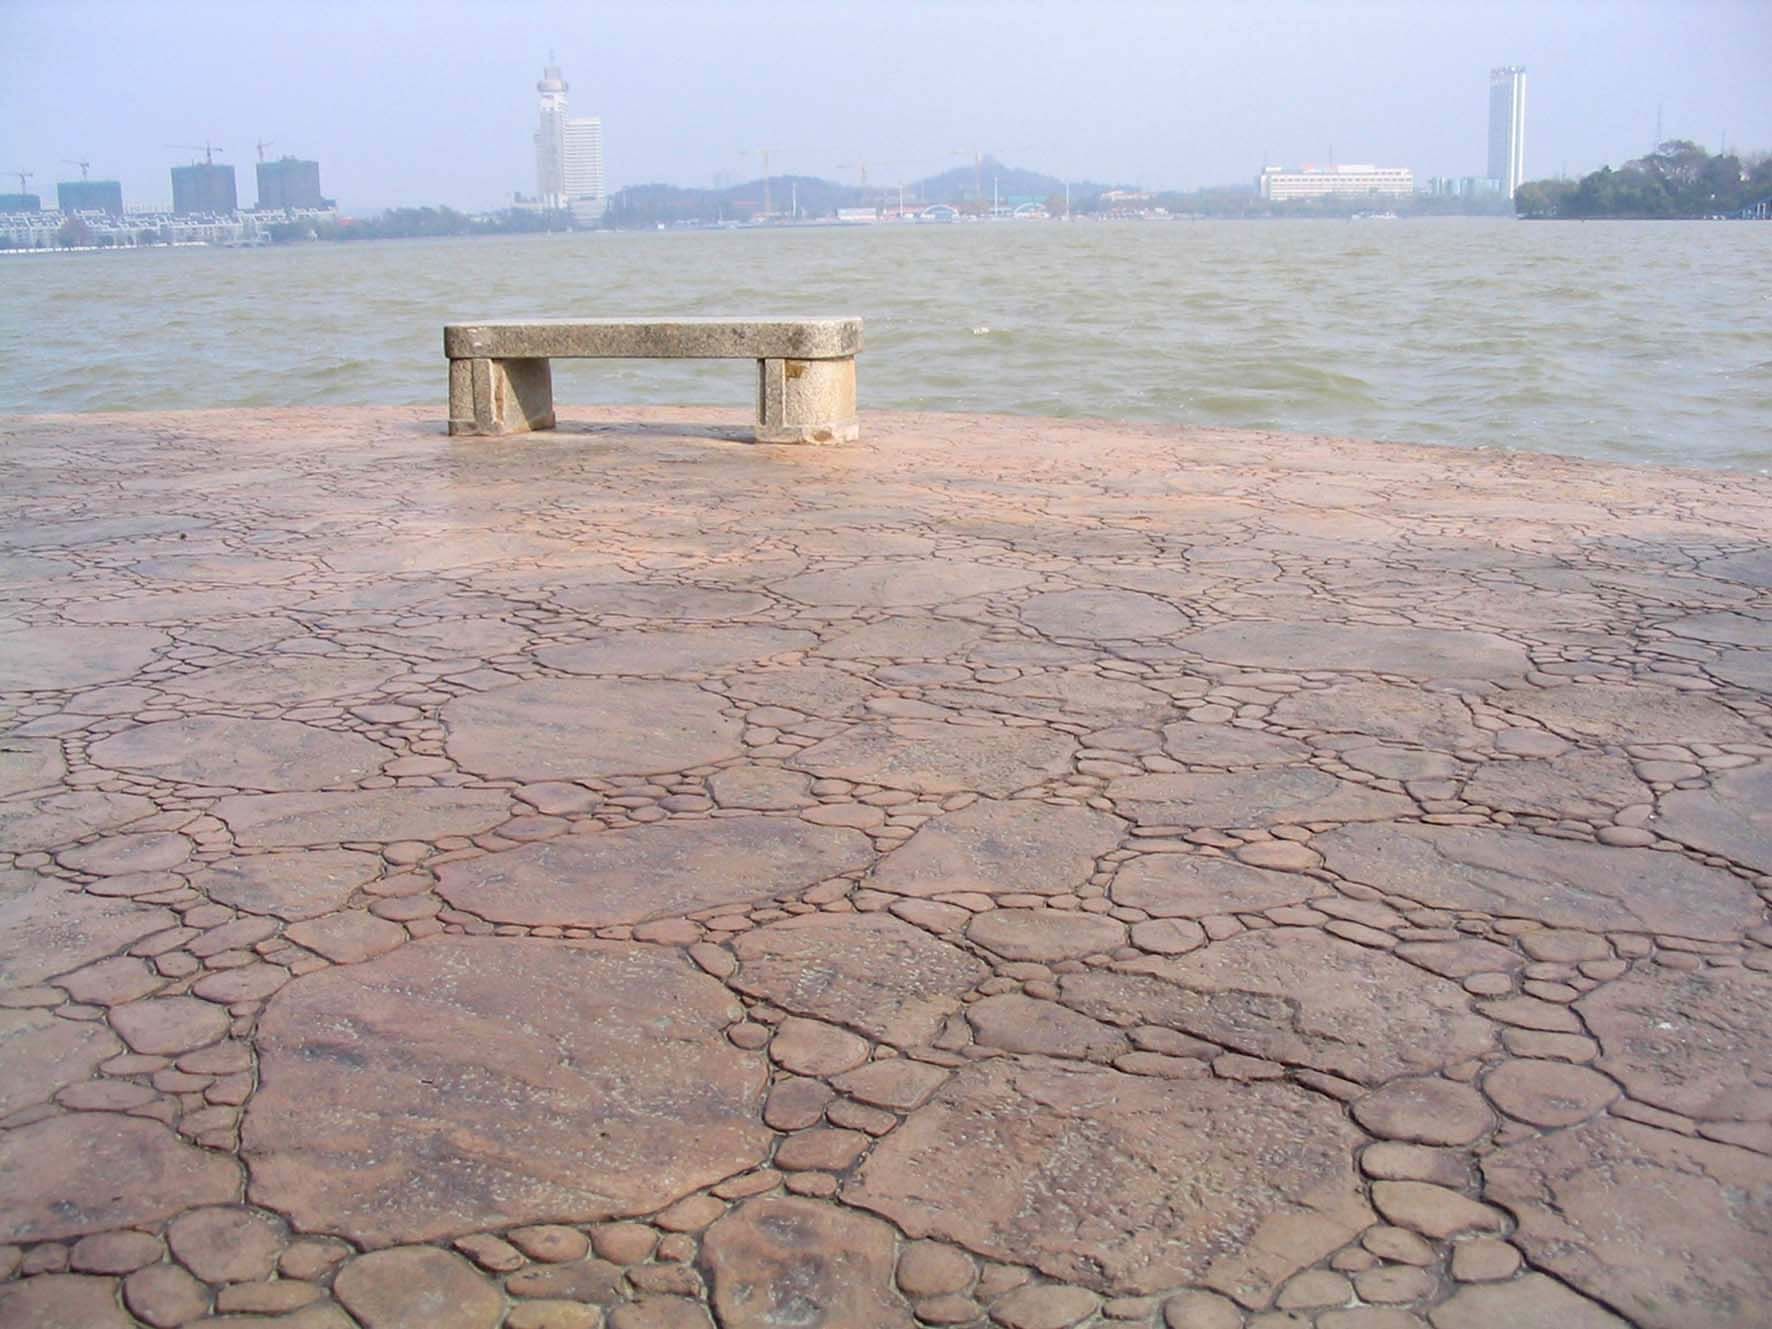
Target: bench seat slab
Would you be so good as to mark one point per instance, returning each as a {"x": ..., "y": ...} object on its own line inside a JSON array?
[{"x": 654, "y": 339}]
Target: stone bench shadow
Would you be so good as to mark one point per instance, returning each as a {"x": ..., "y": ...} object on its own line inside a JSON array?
[{"x": 657, "y": 429}]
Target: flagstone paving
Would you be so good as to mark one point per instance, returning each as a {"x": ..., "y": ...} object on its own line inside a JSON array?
[{"x": 1006, "y": 873}]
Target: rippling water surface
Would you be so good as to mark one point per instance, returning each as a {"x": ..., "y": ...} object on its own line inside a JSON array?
[{"x": 1630, "y": 341}]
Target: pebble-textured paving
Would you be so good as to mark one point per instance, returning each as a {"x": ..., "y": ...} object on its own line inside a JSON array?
[{"x": 1006, "y": 872}]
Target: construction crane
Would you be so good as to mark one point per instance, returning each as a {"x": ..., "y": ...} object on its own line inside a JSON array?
[
  {"x": 763, "y": 153},
  {"x": 977, "y": 174},
  {"x": 22, "y": 177},
  {"x": 861, "y": 167},
  {"x": 207, "y": 148},
  {"x": 262, "y": 145},
  {"x": 74, "y": 161}
]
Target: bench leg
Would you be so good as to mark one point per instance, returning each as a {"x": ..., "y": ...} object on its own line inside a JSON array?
[
  {"x": 492, "y": 397},
  {"x": 806, "y": 401}
]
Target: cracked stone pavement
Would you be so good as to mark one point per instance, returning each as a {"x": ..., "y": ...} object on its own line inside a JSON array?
[{"x": 1006, "y": 872}]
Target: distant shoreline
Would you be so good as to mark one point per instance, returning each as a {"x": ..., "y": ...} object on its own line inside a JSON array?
[{"x": 772, "y": 228}]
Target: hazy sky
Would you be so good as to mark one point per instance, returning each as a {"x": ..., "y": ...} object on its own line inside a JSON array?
[{"x": 435, "y": 102}]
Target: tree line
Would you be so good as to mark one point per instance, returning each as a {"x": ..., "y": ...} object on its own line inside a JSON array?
[
  {"x": 409, "y": 223},
  {"x": 1678, "y": 180}
]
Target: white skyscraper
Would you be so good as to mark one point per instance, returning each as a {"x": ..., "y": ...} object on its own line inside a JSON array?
[
  {"x": 1507, "y": 127},
  {"x": 550, "y": 140},
  {"x": 584, "y": 168}
]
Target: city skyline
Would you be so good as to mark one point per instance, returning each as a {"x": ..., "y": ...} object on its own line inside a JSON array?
[{"x": 1160, "y": 98}]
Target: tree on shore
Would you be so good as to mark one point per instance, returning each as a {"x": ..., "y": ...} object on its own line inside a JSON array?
[
  {"x": 410, "y": 223},
  {"x": 1678, "y": 180}
]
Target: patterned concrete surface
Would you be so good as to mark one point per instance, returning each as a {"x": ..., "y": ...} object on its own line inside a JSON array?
[{"x": 1007, "y": 872}]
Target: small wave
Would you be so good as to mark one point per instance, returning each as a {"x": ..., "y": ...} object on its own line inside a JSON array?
[
  {"x": 1300, "y": 380},
  {"x": 334, "y": 369}
]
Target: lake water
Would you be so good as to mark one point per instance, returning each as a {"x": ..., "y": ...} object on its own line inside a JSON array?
[{"x": 1629, "y": 341}]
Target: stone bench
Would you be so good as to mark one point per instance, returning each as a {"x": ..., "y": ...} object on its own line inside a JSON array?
[{"x": 500, "y": 381}]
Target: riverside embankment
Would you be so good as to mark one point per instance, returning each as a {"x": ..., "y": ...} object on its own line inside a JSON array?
[{"x": 1040, "y": 871}]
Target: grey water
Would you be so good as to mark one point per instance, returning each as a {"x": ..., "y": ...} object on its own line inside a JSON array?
[{"x": 1629, "y": 341}]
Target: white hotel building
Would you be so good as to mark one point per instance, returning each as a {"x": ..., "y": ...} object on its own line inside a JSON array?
[
  {"x": 1279, "y": 184},
  {"x": 585, "y": 193}
]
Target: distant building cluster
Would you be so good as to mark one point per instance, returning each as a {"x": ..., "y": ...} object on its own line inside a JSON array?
[
  {"x": 286, "y": 184},
  {"x": 205, "y": 210},
  {"x": 1507, "y": 160},
  {"x": 55, "y": 229},
  {"x": 568, "y": 154},
  {"x": 202, "y": 189}
]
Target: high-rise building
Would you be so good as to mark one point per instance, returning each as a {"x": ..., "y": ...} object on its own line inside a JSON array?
[
  {"x": 1507, "y": 127},
  {"x": 20, "y": 203},
  {"x": 584, "y": 167},
  {"x": 90, "y": 196},
  {"x": 550, "y": 140},
  {"x": 204, "y": 187},
  {"x": 290, "y": 183}
]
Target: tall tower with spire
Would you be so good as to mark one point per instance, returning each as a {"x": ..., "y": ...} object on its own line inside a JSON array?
[{"x": 550, "y": 139}]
